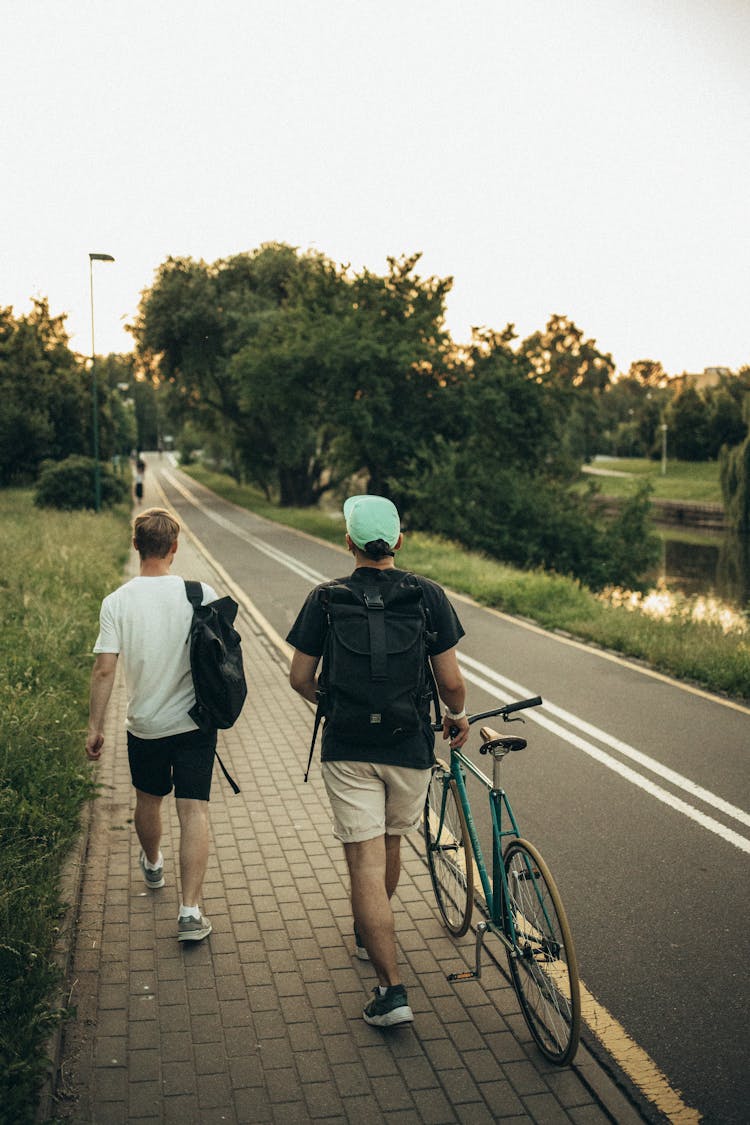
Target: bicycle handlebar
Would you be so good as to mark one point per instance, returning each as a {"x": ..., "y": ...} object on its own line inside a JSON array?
[{"x": 505, "y": 710}]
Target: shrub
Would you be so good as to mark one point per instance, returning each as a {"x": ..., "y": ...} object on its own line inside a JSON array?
[
  {"x": 531, "y": 521},
  {"x": 70, "y": 485}
]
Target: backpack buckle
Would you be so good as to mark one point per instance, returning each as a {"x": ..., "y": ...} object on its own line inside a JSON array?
[{"x": 373, "y": 600}]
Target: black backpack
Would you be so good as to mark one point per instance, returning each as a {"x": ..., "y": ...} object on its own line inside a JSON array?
[
  {"x": 376, "y": 683},
  {"x": 215, "y": 662}
]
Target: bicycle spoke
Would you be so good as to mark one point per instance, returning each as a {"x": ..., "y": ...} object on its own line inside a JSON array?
[
  {"x": 445, "y": 841},
  {"x": 543, "y": 965}
]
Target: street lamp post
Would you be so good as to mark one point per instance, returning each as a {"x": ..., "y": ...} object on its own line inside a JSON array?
[
  {"x": 95, "y": 391},
  {"x": 664, "y": 449}
]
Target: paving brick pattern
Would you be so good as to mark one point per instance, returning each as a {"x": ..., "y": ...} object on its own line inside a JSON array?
[{"x": 262, "y": 1021}]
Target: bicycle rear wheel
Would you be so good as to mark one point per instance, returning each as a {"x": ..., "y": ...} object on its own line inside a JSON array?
[
  {"x": 448, "y": 851},
  {"x": 543, "y": 965}
]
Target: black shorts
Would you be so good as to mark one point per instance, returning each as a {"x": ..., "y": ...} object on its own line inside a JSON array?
[{"x": 185, "y": 760}]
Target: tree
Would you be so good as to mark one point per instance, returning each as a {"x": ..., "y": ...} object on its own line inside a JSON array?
[
  {"x": 505, "y": 485},
  {"x": 228, "y": 340},
  {"x": 630, "y": 410},
  {"x": 560, "y": 354},
  {"x": 386, "y": 360},
  {"x": 44, "y": 393},
  {"x": 724, "y": 421},
  {"x": 686, "y": 417},
  {"x": 734, "y": 474}
]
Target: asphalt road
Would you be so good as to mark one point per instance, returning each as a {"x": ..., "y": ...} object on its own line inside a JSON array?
[{"x": 632, "y": 786}]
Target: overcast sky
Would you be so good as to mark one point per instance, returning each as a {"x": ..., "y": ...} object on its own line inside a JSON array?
[{"x": 589, "y": 158}]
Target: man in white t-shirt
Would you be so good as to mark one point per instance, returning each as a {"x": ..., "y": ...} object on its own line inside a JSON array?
[{"x": 146, "y": 623}]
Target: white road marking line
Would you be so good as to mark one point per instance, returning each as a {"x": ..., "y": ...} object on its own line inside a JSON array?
[
  {"x": 289, "y": 561},
  {"x": 675, "y": 803},
  {"x": 623, "y": 748}
]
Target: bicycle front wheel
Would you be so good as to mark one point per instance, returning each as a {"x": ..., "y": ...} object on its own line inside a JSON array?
[
  {"x": 448, "y": 851},
  {"x": 543, "y": 963}
]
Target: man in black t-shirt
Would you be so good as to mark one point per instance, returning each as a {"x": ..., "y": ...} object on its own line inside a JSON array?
[{"x": 377, "y": 792}]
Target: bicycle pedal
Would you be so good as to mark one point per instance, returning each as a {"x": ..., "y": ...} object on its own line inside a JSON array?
[{"x": 467, "y": 974}]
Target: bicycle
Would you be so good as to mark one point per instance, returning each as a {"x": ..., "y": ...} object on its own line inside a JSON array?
[{"x": 524, "y": 909}]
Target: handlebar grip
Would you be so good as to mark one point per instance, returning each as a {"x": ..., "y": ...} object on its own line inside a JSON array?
[{"x": 523, "y": 704}]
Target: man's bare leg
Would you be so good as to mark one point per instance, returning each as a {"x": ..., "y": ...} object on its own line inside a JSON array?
[
  {"x": 392, "y": 864},
  {"x": 147, "y": 820},
  {"x": 193, "y": 817},
  {"x": 368, "y": 865}
]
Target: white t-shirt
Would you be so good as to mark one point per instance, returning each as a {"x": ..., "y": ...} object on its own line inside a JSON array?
[{"x": 147, "y": 621}]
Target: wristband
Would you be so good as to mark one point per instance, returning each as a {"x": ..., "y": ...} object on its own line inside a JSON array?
[{"x": 455, "y": 714}]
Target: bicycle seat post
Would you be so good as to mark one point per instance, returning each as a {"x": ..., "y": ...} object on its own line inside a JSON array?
[{"x": 498, "y": 753}]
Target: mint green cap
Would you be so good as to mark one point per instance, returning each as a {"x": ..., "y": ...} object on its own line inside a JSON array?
[{"x": 371, "y": 517}]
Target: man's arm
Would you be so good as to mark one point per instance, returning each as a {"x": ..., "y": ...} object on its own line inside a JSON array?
[
  {"x": 452, "y": 691},
  {"x": 102, "y": 679},
  {"x": 302, "y": 675}
]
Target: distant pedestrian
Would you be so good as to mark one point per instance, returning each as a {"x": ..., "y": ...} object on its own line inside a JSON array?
[
  {"x": 147, "y": 621},
  {"x": 140, "y": 470},
  {"x": 377, "y": 789}
]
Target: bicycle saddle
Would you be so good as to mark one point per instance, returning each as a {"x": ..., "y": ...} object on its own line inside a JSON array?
[{"x": 491, "y": 740}]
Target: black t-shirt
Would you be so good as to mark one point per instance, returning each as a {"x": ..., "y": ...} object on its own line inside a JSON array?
[{"x": 308, "y": 634}]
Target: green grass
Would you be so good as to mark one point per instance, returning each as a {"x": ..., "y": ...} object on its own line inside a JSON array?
[
  {"x": 56, "y": 568},
  {"x": 693, "y": 481},
  {"x": 699, "y": 653}
]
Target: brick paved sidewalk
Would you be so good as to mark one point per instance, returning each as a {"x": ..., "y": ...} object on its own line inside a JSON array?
[{"x": 262, "y": 1021}]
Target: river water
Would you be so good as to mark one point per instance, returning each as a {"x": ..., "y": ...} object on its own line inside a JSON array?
[{"x": 719, "y": 565}]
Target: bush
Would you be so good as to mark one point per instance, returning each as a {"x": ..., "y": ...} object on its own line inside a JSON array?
[
  {"x": 531, "y": 521},
  {"x": 70, "y": 485}
]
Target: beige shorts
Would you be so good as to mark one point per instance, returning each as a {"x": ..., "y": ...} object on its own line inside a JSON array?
[{"x": 370, "y": 800}]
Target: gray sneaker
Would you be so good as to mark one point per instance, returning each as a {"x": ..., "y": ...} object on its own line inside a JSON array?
[
  {"x": 193, "y": 929},
  {"x": 389, "y": 1010},
  {"x": 152, "y": 879}
]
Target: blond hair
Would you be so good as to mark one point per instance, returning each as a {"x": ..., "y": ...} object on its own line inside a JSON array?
[{"x": 154, "y": 533}]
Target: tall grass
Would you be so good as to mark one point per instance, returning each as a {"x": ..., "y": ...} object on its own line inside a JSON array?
[
  {"x": 56, "y": 568},
  {"x": 700, "y": 652}
]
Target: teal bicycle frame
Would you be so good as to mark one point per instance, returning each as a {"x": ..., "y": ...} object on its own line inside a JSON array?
[
  {"x": 495, "y": 893},
  {"x": 524, "y": 910}
]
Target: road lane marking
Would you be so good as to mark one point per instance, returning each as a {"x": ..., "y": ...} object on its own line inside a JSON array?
[
  {"x": 636, "y": 1063},
  {"x": 623, "y": 748},
  {"x": 288, "y": 561},
  {"x": 675, "y": 803}
]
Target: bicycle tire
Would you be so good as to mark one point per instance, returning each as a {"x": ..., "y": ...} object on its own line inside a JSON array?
[
  {"x": 543, "y": 966},
  {"x": 449, "y": 858}
]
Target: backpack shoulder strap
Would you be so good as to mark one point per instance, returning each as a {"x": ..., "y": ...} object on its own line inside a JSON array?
[
  {"x": 430, "y": 672},
  {"x": 193, "y": 592}
]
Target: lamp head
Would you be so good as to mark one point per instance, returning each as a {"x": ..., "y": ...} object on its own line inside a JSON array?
[{"x": 101, "y": 258}]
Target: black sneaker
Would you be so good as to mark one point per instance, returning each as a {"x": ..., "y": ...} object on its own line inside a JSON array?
[
  {"x": 388, "y": 1010},
  {"x": 359, "y": 949}
]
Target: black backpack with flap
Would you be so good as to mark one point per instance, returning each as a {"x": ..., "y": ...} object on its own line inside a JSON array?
[
  {"x": 376, "y": 683},
  {"x": 216, "y": 663}
]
